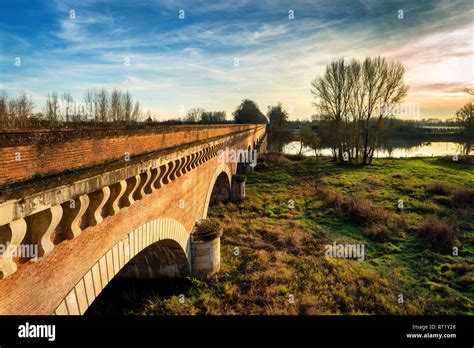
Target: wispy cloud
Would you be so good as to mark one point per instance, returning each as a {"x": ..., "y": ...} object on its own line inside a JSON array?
[{"x": 193, "y": 61}]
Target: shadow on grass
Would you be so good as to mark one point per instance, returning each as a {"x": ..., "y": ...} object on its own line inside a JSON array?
[{"x": 124, "y": 295}]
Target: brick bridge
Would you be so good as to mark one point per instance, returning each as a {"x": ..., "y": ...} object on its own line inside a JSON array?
[{"x": 79, "y": 207}]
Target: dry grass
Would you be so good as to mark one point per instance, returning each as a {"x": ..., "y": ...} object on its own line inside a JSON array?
[
  {"x": 463, "y": 197},
  {"x": 438, "y": 234},
  {"x": 363, "y": 212},
  {"x": 373, "y": 181},
  {"x": 438, "y": 188},
  {"x": 332, "y": 199},
  {"x": 378, "y": 232},
  {"x": 426, "y": 207},
  {"x": 282, "y": 253},
  {"x": 398, "y": 175},
  {"x": 276, "y": 159}
]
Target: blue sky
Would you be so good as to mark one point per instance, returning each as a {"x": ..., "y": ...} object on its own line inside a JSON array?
[{"x": 176, "y": 64}]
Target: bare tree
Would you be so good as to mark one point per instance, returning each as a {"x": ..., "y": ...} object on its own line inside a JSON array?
[
  {"x": 52, "y": 108},
  {"x": 4, "y": 114},
  {"x": 89, "y": 101},
  {"x": 115, "y": 110},
  {"x": 357, "y": 110},
  {"x": 68, "y": 100},
  {"x": 194, "y": 115},
  {"x": 25, "y": 107},
  {"x": 101, "y": 102},
  {"x": 136, "y": 113},
  {"x": 355, "y": 99},
  {"x": 384, "y": 85},
  {"x": 127, "y": 106},
  {"x": 333, "y": 92},
  {"x": 99, "y": 105}
]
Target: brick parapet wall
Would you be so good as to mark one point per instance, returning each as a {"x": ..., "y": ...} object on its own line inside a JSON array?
[{"x": 25, "y": 155}]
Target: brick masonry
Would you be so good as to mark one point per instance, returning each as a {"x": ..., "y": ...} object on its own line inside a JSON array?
[
  {"x": 67, "y": 279},
  {"x": 23, "y": 157}
]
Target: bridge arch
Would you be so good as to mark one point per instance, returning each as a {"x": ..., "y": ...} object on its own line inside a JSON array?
[
  {"x": 221, "y": 180},
  {"x": 154, "y": 234}
]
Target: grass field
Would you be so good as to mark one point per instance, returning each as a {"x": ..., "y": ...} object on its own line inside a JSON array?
[{"x": 415, "y": 218}]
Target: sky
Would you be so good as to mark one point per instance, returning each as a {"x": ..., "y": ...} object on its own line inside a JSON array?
[{"x": 222, "y": 52}]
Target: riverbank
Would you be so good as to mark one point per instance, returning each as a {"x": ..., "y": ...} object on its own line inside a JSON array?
[{"x": 414, "y": 217}]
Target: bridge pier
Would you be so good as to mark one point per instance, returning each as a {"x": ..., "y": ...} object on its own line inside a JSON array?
[
  {"x": 249, "y": 168},
  {"x": 262, "y": 145},
  {"x": 238, "y": 187},
  {"x": 206, "y": 248}
]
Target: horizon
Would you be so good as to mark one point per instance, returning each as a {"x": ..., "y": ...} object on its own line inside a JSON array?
[{"x": 220, "y": 54}]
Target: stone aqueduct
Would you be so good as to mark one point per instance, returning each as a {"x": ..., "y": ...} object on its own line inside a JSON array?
[{"x": 99, "y": 202}]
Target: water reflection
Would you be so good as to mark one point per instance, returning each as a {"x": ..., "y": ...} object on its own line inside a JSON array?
[{"x": 396, "y": 148}]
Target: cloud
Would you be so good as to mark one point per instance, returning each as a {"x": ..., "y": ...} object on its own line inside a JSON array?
[
  {"x": 191, "y": 61},
  {"x": 450, "y": 87}
]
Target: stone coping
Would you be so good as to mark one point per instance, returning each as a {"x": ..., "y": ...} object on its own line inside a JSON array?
[
  {"x": 43, "y": 182},
  {"x": 49, "y": 136}
]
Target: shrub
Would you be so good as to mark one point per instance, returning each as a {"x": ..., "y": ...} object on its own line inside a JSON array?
[
  {"x": 296, "y": 157},
  {"x": 378, "y": 232},
  {"x": 398, "y": 175},
  {"x": 438, "y": 234},
  {"x": 276, "y": 159},
  {"x": 401, "y": 223},
  {"x": 360, "y": 210},
  {"x": 463, "y": 196},
  {"x": 361, "y": 188},
  {"x": 333, "y": 199},
  {"x": 373, "y": 181},
  {"x": 364, "y": 212},
  {"x": 438, "y": 188}
]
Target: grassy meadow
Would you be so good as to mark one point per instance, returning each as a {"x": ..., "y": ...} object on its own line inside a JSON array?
[{"x": 272, "y": 249}]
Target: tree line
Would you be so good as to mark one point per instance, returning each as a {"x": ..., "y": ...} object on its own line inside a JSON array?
[
  {"x": 247, "y": 111},
  {"x": 15, "y": 112},
  {"x": 98, "y": 106},
  {"x": 199, "y": 115},
  {"x": 101, "y": 107}
]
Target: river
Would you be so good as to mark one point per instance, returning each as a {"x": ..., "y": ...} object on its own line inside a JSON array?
[{"x": 394, "y": 150}]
